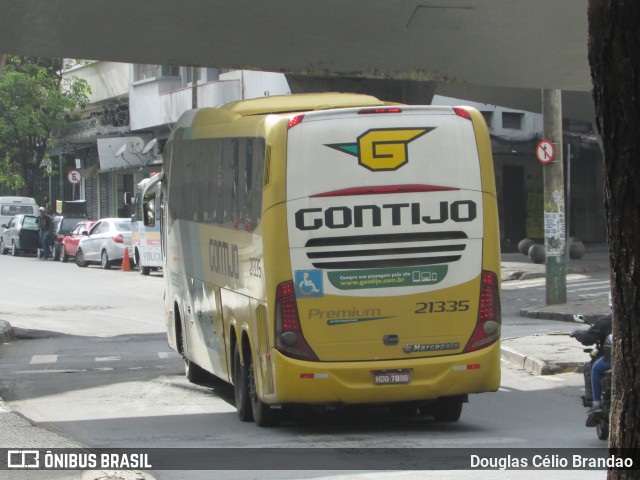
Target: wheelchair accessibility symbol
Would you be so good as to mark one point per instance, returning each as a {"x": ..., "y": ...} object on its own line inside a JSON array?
[{"x": 309, "y": 283}]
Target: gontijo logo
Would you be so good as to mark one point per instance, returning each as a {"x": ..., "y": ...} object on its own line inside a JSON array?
[{"x": 382, "y": 149}]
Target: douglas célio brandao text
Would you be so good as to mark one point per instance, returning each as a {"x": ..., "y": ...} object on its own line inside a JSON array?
[{"x": 549, "y": 461}]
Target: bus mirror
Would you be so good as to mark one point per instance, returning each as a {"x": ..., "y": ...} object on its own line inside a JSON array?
[
  {"x": 127, "y": 198},
  {"x": 148, "y": 210}
]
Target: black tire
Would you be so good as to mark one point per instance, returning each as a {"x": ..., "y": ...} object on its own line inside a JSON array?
[
  {"x": 105, "y": 263},
  {"x": 241, "y": 387},
  {"x": 263, "y": 414},
  {"x": 64, "y": 258},
  {"x": 14, "y": 250},
  {"x": 80, "y": 258},
  {"x": 404, "y": 409},
  {"x": 3, "y": 251},
  {"x": 196, "y": 374},
  {"x": 444, "y": 409},
  {"x": 602, "y": 429},
  {"x": 145, "y": 270}
]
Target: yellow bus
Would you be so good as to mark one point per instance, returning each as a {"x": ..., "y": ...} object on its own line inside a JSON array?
[{"x": 331, "y": 250}]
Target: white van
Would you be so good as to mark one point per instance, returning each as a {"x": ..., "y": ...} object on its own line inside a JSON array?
[{"x": 12, "y": 206}]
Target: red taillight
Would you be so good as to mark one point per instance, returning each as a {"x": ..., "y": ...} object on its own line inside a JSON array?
[
  {"x": 293, "y": 121},
  {"x": 487, "y": 329},
  {"x": 462, "y": 112},
  {"x": 289, "y": 337},
  {"x": 118, "y": 238},
  {"x": 366, "y": 111}
]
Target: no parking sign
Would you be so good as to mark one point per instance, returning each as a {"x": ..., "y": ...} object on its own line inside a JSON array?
[{"x": 74, "y": 177}]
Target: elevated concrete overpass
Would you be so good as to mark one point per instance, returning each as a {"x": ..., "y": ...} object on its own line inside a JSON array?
[{"x": 494, "y": 51}]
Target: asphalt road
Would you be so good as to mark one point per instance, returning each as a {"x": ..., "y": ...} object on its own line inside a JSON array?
[{"x": 90, "y": 361}]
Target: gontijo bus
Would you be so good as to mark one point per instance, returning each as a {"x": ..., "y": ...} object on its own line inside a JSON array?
[{"x": 332, "y": 249}]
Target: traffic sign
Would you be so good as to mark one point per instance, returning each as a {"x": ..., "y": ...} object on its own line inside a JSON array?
[
  {"x": 545, "y": 151},
  {"x": 74, "y": 177}
]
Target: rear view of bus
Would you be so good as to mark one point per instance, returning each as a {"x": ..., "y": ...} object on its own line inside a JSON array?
[{"x": 389, "y": 287}]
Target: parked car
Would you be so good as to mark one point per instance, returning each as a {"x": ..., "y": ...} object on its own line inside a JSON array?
[
  {"x": 105, "y": 243},
  {"x": 62, "y": 226},
  {"x": 20, "y": 235},
  {"x": 12, "y": 206},
  {"x": 69, "y": 244}
]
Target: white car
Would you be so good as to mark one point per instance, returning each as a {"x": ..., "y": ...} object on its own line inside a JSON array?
[{"x": 105, "y": 243}]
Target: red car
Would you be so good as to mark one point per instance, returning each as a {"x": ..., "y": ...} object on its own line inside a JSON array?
[{"x": 70, "y": 242}]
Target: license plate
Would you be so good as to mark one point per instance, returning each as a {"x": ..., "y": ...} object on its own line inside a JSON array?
[{"x": 391, "y": 377}]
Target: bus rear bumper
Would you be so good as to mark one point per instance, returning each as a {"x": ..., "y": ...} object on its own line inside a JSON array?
[{"x": 352, "y": 382}]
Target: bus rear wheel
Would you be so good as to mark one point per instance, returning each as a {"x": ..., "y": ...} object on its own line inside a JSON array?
[
  {"x": 445, "y": 409},
  {"x": 263, "y": 414},
  {"x": 241, "y": 387}
]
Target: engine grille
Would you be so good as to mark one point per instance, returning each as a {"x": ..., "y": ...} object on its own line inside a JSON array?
[{"x": 388, "y": 250}]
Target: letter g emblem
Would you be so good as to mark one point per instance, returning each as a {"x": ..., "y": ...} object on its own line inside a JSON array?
[{"x": 386, "y": 149}]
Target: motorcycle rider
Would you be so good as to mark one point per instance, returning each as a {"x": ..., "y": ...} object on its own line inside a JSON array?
[{"x": 596, "y": 334}]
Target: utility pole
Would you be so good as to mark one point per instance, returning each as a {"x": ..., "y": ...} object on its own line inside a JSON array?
[
  {"x": 194, "y": 88},
  {"x": 554, "y": 204}
]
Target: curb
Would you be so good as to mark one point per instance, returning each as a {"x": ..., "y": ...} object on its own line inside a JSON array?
[
  {"x": 6, "y": 331},
  {"x": 536, "y": 366},
  {"x": 559, "y": 316},
  {"x": 531, "y": 364}
]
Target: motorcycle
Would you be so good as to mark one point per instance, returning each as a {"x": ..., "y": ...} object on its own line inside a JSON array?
[
  {"x": 599, "y": 420},
  {"x": 602, "y": 419}
]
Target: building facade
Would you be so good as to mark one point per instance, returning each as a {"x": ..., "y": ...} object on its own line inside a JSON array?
[
  {"x": 133, "y": 107},
  {"x": 120, "y": 139}
]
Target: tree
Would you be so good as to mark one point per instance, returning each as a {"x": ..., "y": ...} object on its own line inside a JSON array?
[
  {"x": 34, "y": 102},
  {"x": 614, "y": 56}
]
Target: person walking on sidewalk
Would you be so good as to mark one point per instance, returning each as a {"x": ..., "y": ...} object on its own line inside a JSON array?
[
  {"x": 44, "y": 223},
  {"x": 596, "y": 334}
]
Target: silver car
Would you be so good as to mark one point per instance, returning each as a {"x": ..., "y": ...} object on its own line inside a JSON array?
[
  {"x": 20, "y": 235},
  {"x": 105, "y": 243}
]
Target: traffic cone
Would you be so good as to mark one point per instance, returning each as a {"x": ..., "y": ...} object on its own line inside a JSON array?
[{"x": 126, "y": 263}]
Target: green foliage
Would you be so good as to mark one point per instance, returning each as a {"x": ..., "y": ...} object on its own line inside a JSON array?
[{"x": 35, "y": 101}]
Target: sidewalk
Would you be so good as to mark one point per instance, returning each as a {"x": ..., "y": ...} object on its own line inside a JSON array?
[
  {"x": 558, "y": 353},
  {"x": 538, "y": 354}
]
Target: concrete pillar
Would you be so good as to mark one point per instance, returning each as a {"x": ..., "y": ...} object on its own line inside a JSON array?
[{"x": 401, "y": 91}]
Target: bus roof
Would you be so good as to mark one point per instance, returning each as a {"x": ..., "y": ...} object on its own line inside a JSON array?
[{"x": 301, "y": 103}]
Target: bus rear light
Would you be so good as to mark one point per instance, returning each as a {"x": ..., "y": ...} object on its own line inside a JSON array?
[
  {"x": 462, "y": 112},
  {"x": 118, "y": 238},
  {"x": 366, "y": 111},
  {"x": 289, "y": 337},
  {"x": 293, "y": 121},
  {"x": 487, "y": 329}
]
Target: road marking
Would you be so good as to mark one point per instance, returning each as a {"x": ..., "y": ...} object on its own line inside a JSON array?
[
  {"x": 108, "y": 359},
  {"x": 47, "y": 359},
  {"x": 39, "y": 359},
  {"x": 69, "y": 370}
]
